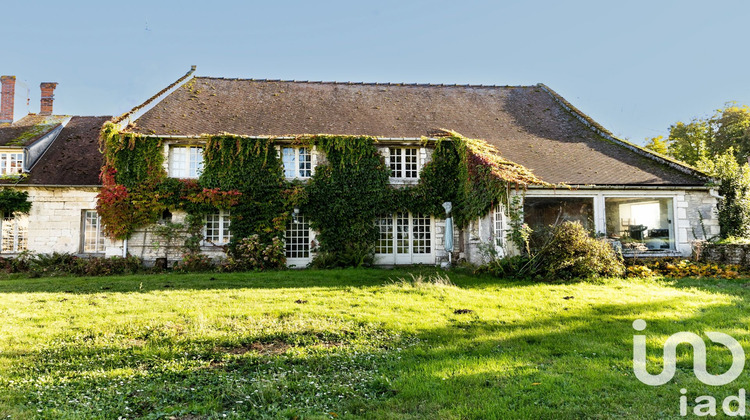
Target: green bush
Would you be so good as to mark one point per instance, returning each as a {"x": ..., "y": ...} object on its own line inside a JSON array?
[
  {"x": 516, "y": 267},
  {"x": 356, "y": 255},
  {"x": 572, "y": 253}
]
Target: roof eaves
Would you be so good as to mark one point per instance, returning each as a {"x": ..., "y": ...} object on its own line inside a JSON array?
[{"x": 598, "y": 129}]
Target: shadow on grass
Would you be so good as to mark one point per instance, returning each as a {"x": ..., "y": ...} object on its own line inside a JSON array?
[{"x": 291, "y": 279}]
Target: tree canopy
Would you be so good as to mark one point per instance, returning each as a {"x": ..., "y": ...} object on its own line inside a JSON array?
[
  {"x": 719, "y": 146},
  {"x": 705, "y": 138}
]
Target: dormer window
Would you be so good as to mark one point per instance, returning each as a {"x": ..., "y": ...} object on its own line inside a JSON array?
[
  {"x": 404, "y": 162},
  {"x": 11, "y": 163},
  {"x": 185, "y": 161},
  {"x": 297, "y": 162}
]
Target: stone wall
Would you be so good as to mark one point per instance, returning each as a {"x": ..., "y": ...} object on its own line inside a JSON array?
[
  {"x": 726, "y": 254},
  {"x": 55, "y": 223}
]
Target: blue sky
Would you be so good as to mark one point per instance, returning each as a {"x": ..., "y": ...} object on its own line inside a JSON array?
[{"x": 636, "y": 66}]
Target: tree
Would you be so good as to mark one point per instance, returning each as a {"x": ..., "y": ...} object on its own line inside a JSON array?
[
  {"x": 702, "y": 138},
  {"x": 720, "y": 146},
  {"x": 734, "y": 208}
]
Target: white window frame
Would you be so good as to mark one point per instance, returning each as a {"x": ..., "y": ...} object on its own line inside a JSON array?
[
  {"x": 405, "y": 245},
  {"x": 91, "y": 228},
  {"x": 15, "y": 233},
  {"x": 677, "y": 233},
  {"x": 298, "y": 252},
  {"x": 296, "y": 152},
  {"x": 224, "y": 233},
  {"x": 396, "y": 161},
  {"x": 11, "y": 163},
  {"x": 183, "y": 168},
  {"x": 499, "y": 229}
]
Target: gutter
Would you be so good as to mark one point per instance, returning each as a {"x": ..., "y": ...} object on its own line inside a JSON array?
[{"x": 622, "y": 187}]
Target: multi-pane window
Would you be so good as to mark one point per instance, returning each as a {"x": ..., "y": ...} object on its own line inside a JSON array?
[
  {"x": 11, "y": 163},
  {"x": 403, "y": 162},
  {"x": 297, "y": 162},
  {"x": 185, "y": 161},
  {"x": 498, "y": 222},
  {"x": 93, "y": 237},
  {"x": 385, "y": 238},
  {"x": 405, "y": 233},
  {"x": 216, "y": 230},
  {"x": 14, "y": 231},
  {"x": 297, "y": 242}
]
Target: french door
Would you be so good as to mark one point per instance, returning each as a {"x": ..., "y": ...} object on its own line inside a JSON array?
[{"x": 404, "y": 238}]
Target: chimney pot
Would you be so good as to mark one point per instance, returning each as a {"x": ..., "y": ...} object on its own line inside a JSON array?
[
  {"x": 7, "y": 98},
  {"x": 48, "y": 97}
]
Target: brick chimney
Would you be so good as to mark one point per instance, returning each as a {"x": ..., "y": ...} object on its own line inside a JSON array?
[
  {"x": 6, "y": 98},
  {"x": 48, "y": 96}
]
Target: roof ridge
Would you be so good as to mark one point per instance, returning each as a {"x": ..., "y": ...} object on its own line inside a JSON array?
[
  {"x": 334, "y": 82},
  {"x": 600, "y": 130}
]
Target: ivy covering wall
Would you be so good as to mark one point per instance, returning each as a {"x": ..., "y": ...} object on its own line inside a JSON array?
[{"x": 341, "y": 200}]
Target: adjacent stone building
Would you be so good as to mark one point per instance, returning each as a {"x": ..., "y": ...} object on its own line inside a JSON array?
[{"x": 56, "y": 159}]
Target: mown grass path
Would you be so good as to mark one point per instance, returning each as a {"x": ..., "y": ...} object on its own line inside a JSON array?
[{"x": 351, "y": 344}]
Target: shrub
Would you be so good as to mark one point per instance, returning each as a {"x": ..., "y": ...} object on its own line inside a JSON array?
[
  {"x": 251, "y": 254},
  {"x": 515, "y": 267},
  {"x": 107, "y": 266},
  {"x": 194, "y": 263},
  {"x": 572, "y": 253},
  {"x": 356, "y": 255}
]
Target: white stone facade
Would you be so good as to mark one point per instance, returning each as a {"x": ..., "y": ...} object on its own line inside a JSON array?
[{"x": 55, "y": 222}]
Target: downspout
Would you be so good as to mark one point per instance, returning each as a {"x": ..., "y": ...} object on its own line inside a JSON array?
[
  {"x": 125, "y": 248},
  {"x": 712, "y": 192}
]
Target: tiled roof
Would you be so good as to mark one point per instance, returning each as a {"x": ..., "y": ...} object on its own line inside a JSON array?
[
  {"x": 529, "y": 125},
  {"x": 28, "y": 129},
  {"x": 73, "y": 158}
]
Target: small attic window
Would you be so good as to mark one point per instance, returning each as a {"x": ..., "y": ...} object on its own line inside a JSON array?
[{"x": 11, "y": 163}]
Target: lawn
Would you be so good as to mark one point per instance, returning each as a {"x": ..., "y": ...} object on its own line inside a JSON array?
[{"x": 352, "y": 344}]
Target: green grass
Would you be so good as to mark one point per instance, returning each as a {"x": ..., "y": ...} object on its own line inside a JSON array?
[{"x": 351, "y": 344}]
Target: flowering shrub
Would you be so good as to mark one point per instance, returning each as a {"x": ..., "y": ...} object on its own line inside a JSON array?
[{"x": 251, "y": 254}]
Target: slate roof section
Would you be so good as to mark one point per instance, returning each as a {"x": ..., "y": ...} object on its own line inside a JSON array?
[
  {"x": 28, "y": 129},
  {"x": 526, "y": 123},
  {"x": 73, "y": 158}
]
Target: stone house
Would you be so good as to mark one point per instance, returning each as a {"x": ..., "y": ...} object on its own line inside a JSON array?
[
  {"x": 56, "y": 160},
  {"x": 646, "y": 203}
]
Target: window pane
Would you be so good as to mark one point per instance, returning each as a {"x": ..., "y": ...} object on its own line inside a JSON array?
[
  {"x": 395, "y": 162},
  {"x": 305, "y": 163},
  {"x": 385, "y": 236},
  {"x": 288, "y": 160},
  {"x": 410, "y": 163},
  {"x": 297, "y": 242},
  {"x": 422, "y": 238},
  {"x": 499, "y": 225},
  {"x": 93, "y": 239},
  {"x": 641, "y": 224},
  {"x": 542, "y": 212},
  {"x": 402, "y": 233},
  {"x": 14, "y": 233}
]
